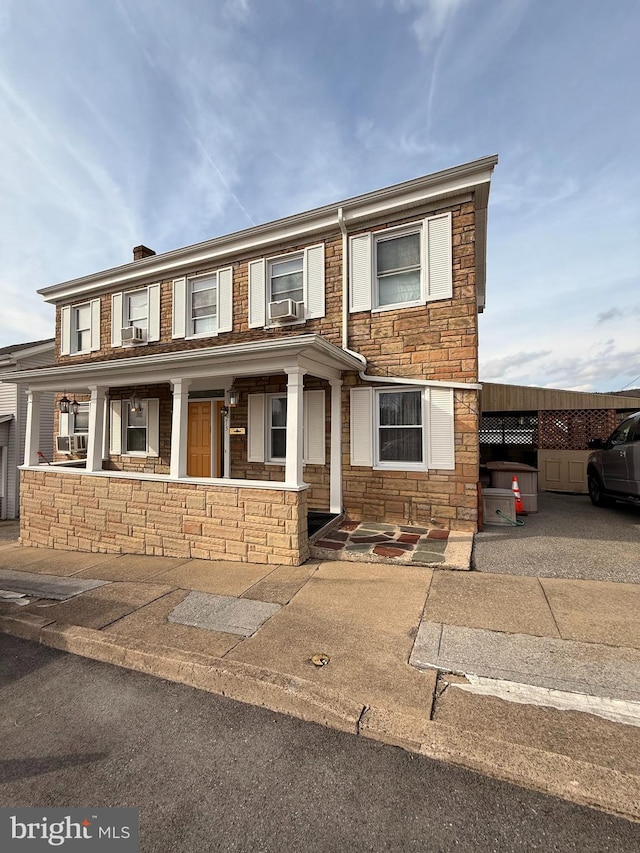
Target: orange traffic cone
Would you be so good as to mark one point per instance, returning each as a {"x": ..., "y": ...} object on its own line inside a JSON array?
[{"x": 515, "y": 488}]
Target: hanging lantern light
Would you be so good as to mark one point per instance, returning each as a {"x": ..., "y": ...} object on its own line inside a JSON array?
[{"x": 64, "y": 404}]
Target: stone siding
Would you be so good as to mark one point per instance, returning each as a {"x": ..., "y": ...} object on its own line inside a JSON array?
[{"x": 117, "y": 515}]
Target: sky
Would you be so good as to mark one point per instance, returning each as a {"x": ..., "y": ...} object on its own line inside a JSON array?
[{"x": 169, "y": 122}]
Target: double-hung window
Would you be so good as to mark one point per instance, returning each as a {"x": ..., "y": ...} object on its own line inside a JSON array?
[
  {"x": 285, "y": 279},
  {"x": 203, "y": 305},
  {"x": 398, "y": 269},
  {"x": 82, "y": 328},
  {"x": 135, "y": 428},
  {"x": 80, "y": 420},
  {"x": 277, "y": 428},
  {"x": 402, "y": 266},
  {"x": 136, "y": 309},
  {"x": 400, "y": 428}
]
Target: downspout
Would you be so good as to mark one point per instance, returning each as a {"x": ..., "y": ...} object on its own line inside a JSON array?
[{"x": 388, "y": 380}]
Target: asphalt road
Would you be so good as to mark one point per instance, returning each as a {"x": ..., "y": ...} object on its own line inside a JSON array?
[
  {"x": 567, "y": 538},
  {"x": 210, "y": 774}
]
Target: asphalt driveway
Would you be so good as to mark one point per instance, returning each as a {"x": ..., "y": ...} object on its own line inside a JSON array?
[{"x": 567, "y": 538}]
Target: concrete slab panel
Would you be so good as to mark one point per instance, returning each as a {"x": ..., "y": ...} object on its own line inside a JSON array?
[
  {"x": 132, "y": 567},
  {"x": 494, "y": 602},
  {"x": 46, "y": 586},
  {"x": 589, "y": 668},
  {"x": 364, "y": 617},
  {"x": 281, "y": 585},
  {"x": 219, "y": 577},
  {"x": 223, "y": 613},
  {"x": 595, "y": 611},
  {"x": 50, "y": 561},
  {"x": 583, "y": 737},
  {"x": 150, "y": 624},
  {"x": 101, "y": 606}
]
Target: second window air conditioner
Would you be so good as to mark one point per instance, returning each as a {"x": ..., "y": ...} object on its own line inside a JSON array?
[
  {"x": 285, "y": 309},
  {"x": 132, "y": 335}
]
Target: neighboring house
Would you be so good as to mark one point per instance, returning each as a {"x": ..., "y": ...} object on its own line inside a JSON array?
[
  {"x": 13, "y": 419},
  {"x": 549, "y": 428},
  {"x": 326, "y": 362}
]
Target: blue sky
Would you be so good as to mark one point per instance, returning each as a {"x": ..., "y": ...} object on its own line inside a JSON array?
[{"x": 167, "y": 122}]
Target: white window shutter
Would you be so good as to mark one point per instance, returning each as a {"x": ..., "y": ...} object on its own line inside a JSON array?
[
  {"x": 314, "y": 428},
  {"x": 225, "y": 300},
  {"x": 439, "y": 278},
  {"x": 314, "y": 282},
  {"x": 65, "y": 330},
  {"x": 63, "y": 423},
  {"x": 95, "y": 325},
  {"x": 153, "y": 301},
  {"x": 116, "y": 320},
  {"x": 255, "y": 446},
  {"x": 179, "y": 308},
  {"x": 360, "y": 273},
  {"x": 361, "y": 415},
  {"x": 257, "y": 293},
  {"x": 153, "y": 427},
  {"x": 115, "y": 427},
  {"x": 441, "y": 435}
]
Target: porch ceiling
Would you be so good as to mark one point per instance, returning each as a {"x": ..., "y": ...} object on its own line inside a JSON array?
[{"x": 312, "y": 353}]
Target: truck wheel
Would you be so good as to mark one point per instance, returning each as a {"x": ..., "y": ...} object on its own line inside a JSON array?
[{"x": 596, "y": 493}]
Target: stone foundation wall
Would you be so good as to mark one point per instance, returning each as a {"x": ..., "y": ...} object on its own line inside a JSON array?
[{"x": 116, "y": 515}]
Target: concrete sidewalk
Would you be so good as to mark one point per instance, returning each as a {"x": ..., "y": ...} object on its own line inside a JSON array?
[{"x": 251, "y": 632}]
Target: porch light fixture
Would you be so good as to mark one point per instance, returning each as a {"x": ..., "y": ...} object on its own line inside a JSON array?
[
  {"x": 64, "y": 404},
  {"x": 135, "y": 405},
  {"x": 75, "y": 406},
  {"x": 234, "y": 398}
]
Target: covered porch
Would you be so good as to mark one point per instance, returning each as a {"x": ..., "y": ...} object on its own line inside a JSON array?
[{"x": 126, "y": 496}]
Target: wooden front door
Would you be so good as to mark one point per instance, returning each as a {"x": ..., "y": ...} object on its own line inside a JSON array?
[{"x": 199, "y": 443}]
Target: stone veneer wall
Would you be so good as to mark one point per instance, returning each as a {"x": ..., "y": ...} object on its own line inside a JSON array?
[{"x": 117, "y": 515}]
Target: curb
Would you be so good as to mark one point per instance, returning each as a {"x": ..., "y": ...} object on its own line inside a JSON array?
[{"x": 550, "y": 773}]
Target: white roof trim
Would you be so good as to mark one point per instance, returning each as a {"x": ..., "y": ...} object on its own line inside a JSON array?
[
  {"x": 311, "y": 352},
  {"x": 446, "y": 183}
]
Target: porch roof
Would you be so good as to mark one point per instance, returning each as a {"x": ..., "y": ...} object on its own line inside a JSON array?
[{"x": 312, "y": 353}]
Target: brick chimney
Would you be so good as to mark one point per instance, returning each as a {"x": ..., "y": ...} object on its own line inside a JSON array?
[{"x": 140, "y": 252}]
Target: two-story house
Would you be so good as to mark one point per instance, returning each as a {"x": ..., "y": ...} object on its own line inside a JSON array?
[{"x": 325, "y": 362}]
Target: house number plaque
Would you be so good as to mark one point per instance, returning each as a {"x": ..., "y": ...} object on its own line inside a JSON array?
[{"x": 237, "y": 431}]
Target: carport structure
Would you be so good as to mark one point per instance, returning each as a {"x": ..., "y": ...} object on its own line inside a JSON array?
[{"x": 548, "y": 428}]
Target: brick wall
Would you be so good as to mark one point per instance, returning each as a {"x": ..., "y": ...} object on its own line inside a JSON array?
[
  {"x": 437, "y": 341},
  {"x": 114, "y": 515}
]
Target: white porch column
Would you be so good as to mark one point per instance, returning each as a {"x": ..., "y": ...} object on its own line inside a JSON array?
[
  {"x": 179, "y": 428},
  {"x": 295, "y": 420},
  {"x": 32, "y": 437},
  {"x": 335, "y": 472},
  {"x": 95, "y": 438}
]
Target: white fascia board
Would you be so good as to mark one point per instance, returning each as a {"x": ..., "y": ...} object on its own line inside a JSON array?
[
  {"x": 293, "y": 228},
  {"x": 245, "y": 359}
]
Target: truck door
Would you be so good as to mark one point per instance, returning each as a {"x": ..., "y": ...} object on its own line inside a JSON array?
[
  {"x": 615, "y": 468},
  {"x": 633, "y": 460}
]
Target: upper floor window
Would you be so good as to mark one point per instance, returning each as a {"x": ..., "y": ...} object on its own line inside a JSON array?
[
  {"x": 399, "y": 267},
  {"x": 135, "y": 316},
  {"x": 136, "y": 309},
  {"x": 80, "y": 328},
  {"x": 203, "y": 305},
  {"x": 287, "y": 289}
]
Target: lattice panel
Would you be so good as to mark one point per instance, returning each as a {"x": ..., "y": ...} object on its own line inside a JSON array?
[
  {"x": 520, "y": 430},
  {"x": 572, "y": 430}
]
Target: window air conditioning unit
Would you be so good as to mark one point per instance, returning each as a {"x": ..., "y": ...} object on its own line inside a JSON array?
[
  {"x": 132, "y": 335},
  {"x": 72, "y": 443},
  {"x": 285, "y": 309},
  {"x": 78, "y": 443}
]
